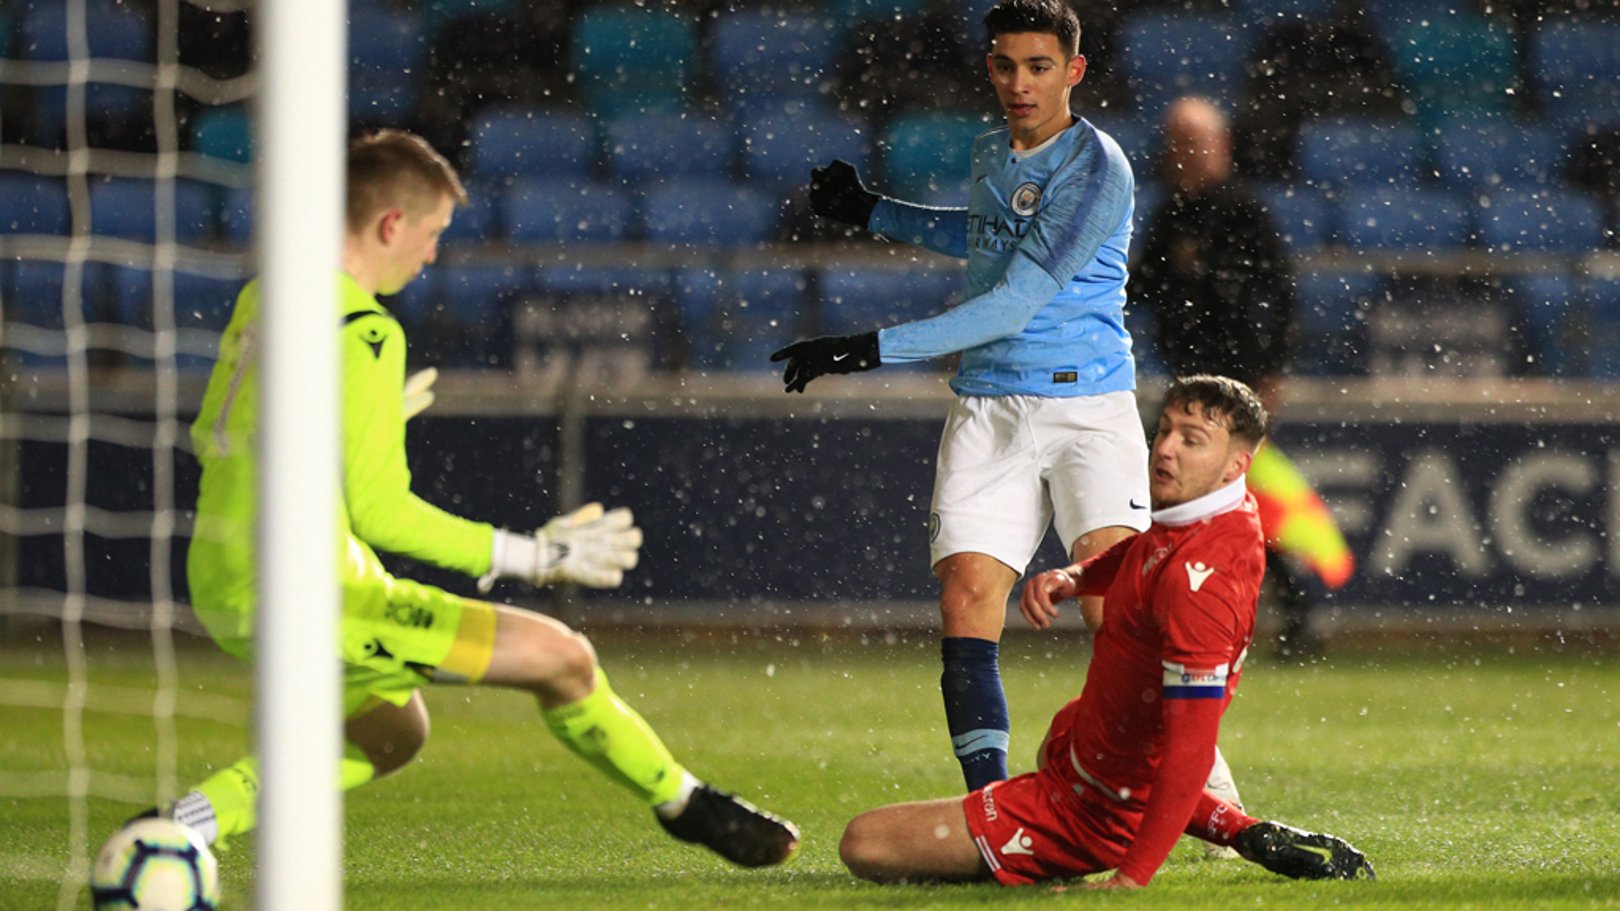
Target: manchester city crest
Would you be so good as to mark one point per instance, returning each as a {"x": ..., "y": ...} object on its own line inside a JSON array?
[{"x": 1026, "y": 199}]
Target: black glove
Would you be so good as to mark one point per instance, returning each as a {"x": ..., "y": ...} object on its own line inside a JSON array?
[
  {"x": 836, "y": 192},
  {"x": 829, "y": 354}
]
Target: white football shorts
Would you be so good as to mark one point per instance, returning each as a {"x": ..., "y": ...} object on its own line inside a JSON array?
[{"x": 1009, "y": 466}]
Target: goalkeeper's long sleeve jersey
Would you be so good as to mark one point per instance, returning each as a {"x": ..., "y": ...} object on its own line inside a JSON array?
[{"x": 378, "y": 506}]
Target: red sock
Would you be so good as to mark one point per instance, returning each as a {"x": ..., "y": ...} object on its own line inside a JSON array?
[{"x": 1215, "y": 820}]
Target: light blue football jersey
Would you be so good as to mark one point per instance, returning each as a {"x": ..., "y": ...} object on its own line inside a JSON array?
[{"x": 1046, "y": 235}]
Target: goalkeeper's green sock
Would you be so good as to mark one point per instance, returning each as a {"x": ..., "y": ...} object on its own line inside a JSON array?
[
  {"x": 226, "y": 803},
  {"x": 610, "y": 735}
]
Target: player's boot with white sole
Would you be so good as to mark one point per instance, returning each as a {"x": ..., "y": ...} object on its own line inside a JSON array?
[
  {"x": 734, "y": 828},
  {"x": 1222, "y": 785},
  {"x": 1301, "y": 854}
]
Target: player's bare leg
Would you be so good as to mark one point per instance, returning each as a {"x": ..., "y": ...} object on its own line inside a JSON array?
[
  {"x": 389, "y": 735},
  {"x": 926, "y": 840},
  {"x": 1087, "y": 546},
  {"x": 973, "y": 610},
  {"x": 556, "y": 664}
]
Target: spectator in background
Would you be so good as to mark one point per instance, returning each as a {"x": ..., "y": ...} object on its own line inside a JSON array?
[{"x": 1213, "y": 272}]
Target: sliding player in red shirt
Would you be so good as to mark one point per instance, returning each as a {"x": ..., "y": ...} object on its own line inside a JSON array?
[{"x": 1121, "y": 773}]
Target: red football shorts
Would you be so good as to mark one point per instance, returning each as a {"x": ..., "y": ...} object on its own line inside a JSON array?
[{"x": 1048, "y": 824}]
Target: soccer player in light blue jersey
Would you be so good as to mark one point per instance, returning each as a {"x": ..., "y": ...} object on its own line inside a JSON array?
[{"x": 1045, "y": 429}]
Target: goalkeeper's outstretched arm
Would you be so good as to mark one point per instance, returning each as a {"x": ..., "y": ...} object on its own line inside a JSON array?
[{"x": 590, "y": 547}]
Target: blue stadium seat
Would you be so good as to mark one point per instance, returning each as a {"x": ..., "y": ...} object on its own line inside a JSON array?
[
  {"x": 202, "y": 304},
  {"x": 859, "y": 299},
  {"x": 645, "y": 148},
  {"x": 1391, "y": 17},
  {"x": 387, "y": 64},
  {"x": 1304, "y": 216},
  {"x": 126, "y": 207},
  {"x": 236, "y": 215},
  {"x": 510, "y": 141},
  {"x": 1495, "y": 153},
  {"x": 554, "y": 210},
  {"x": 634, "y": 60},
  {"x": 472, "y": 304},
  {"x": 1139, "y": 140},
  {"x": 929, "y": 151},
  {"x": 223, "y": 132},
  {"x": 780, "y": 149},
  {"x": 1458, "y": 66},
  {"x": 1349, "y": 151},
  {"x": 1167, "y": 55},
  {"x": 1409, "y": 219},
  {"x": 114, "y": 31},
  {"x": 32, "y": 294},
  {"x": 757, "y": 54},
  {"x": 479, "y": 221},
  {"x": 1550, "y": 221},
  {"x": 1331, "y": 322},
  {"x": 1548, "y": 310},
  {"x": 480, "y": 292},
  {"x": 708, "y": 212},
  {"x": 970, "y": 13},
  {"x": 733, "y": 320},
  {"x": 1575, "y": 64},
  {"x": 32, "y": 291},
  {"x": 33, "y": 205}
]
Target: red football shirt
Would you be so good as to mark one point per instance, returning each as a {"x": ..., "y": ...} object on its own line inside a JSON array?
[{"x": 1177, "y": 622}]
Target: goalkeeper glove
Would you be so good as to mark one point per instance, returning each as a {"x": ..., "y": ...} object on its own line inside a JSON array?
[
  {"x": 836, "y": 192},
  {"x": 419, "y": 392},
  {"x": 589, "y": 547},
  {"x": 809, "y": 359}
]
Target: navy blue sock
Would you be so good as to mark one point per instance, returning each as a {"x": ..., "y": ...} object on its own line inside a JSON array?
[{"x": 975, "y": 709}]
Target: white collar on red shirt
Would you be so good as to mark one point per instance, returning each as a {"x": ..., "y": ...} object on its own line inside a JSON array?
[{"x": 1208, "y": 506}]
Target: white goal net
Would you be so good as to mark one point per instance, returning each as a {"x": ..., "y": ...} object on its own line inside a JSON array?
[{"x": 126, "y": 194}]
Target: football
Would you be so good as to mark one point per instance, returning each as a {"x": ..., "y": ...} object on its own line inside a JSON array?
[{"x": 155, "y": 865}]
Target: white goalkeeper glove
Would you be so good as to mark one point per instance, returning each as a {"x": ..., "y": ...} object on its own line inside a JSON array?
[
  {"x": 589, "y": 547},
  {"x": 419, "y": 392}
]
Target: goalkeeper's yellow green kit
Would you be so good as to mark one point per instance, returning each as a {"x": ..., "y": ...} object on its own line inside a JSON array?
[{"x": 390, "y": 625}]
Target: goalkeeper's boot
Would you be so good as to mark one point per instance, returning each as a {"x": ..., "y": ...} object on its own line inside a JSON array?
[
  {"x": 1301, "y": 854},
  {"x": 734, "y": 828}
]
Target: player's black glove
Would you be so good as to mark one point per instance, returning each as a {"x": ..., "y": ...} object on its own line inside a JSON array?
[
  {"x": 829, "y": 354},
  {"x": 836, "y": 192}
]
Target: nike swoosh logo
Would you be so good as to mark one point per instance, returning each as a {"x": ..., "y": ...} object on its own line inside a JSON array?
[
  {"x": 839, "y": 357},
  {"x": 1136, "y": 505},
  {"x": 1325, "y": 853}
]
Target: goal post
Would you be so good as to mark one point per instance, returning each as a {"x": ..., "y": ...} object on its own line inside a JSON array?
[{"x": 300, "y": 143}]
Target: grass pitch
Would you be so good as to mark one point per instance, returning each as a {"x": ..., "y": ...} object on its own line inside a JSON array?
[{"x": 1473, "y": 777}]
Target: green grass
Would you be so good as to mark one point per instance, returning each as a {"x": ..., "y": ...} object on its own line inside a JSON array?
[{"x": 1473, "y": 779}]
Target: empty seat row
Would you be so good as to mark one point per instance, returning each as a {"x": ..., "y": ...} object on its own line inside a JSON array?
[
  {"x": 464, "y": 314},
  {"x": 1437, "y": 220}
]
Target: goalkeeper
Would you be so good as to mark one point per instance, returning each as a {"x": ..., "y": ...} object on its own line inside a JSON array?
[{"x": 398, "y": 635}]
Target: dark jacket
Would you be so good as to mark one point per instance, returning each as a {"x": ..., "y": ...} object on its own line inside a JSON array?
[{"x": 1214, "y": 275}]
